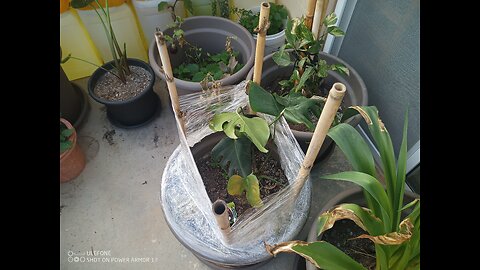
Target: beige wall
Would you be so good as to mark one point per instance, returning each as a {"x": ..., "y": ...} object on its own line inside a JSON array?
[{"x": 297, "y": 8}]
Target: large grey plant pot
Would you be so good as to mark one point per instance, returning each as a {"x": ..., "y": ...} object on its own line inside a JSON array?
[
  {"x": 356, "y": 95},
  {"x": 352, "y": 195},
  {"x": 202, "y": 149},
  {"x": 208, "y": 33}
]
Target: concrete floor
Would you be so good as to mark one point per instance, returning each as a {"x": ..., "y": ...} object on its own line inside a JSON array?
[{"x": 112, "y": 211}]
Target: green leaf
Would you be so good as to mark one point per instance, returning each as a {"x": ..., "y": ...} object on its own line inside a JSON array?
[
  {"x": 305, "y": 76},
  {"x": 357, "y": 153},
  {"x": 288, "y": 32},
  {"x": 372, "y": 186},
  {"x": 401, "y": 171},
  {"x": 255, "y": 128},
  {"x": 335, "y": 31},
  {"x": 192, "y": 68},
  {"x": 236, "y": 154},
  {"x": 163, "y": 5},
  {"x": 198, "y": 77},
  {"x": 340, "y": 69},
  {"x": 322, "y": 68},
  {"x": 218, "y": 75},
  {"x": 354, "y": 148},
  {"x": 252, "y": 189},
  {"x": 235, "y": 185},
  {"x": 168, "y": 38},
  {"x": 330, "y": 19},
  {"x": 326, "y": 256},
  {"x": 315, "y": 47},
  {"x": 80, "y": 3},
  {"x": 414, "y": 263},
  {"x": 298, "y": 108},
  {"x": 178, "y": 33},
  {"x": 67, "y": 132},
  {"x": 301, "y": 62},
  {"x": 412, "y": 203},
  {"x": 64, "y": 146},
  {"x": 282, "y": 58},
  {"x": 262, "y": 101},
  {"x": 187, "y": 4},
  {"x": 384, "y": 145},
  {"x": 284, "y": 83}
]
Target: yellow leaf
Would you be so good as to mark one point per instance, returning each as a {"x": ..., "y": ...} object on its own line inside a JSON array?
[{"x": 235, "y": 185}]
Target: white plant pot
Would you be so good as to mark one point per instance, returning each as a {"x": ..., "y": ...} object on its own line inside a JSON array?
[
  {"x": 272, "y": 42},
  {"x": 150, "y": 18}
]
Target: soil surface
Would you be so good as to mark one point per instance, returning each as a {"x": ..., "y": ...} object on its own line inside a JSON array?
[
  {"x": 274, "y": 87},
  {"x": 267, "y": 169},
  {"x": 361, "y": 250},
  {"x": 111, "y": 88}
]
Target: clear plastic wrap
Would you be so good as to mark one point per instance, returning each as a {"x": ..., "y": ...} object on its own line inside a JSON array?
[{"x": 188, "y": 209}]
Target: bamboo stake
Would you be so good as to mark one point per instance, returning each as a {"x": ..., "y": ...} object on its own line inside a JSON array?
[
  {"x": 219, "y": 208},
  {"x": 167, "y": 70},
  {"x": 317, "y": 18},
  {"x": 334, "y": 99},
  {"x": 263, "y": 24},
  {"x": 309, "y": 14}
]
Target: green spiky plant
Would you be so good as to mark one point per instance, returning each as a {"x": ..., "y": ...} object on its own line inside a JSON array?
[
  {"x": 397, "y": 242},
  {"x": 120, "y": 66}
]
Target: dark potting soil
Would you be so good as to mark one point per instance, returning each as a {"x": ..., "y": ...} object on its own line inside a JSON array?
[
  {"x": 361, "y": 250},
  {"x": 111, "y": 88},
  {"x": 268, "y": 171},
  {"x": 322, "y": 91}
]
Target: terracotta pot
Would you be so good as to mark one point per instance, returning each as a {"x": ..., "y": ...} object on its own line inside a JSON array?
[{"x": 72, "y": 161}]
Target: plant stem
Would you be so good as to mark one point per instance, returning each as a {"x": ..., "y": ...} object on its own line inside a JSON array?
[{"x": 76, "y": 58}]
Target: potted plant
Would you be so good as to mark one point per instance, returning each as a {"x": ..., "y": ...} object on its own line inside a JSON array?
[
  {"x": 278, "y": 16},
  {"x": 240, "y": 163},
  {"x": 205, "y": 48},
  {"x": 73, "y": 100},
  {"x": 298, "y": 77},
  {"x": 72, "y": 158},
  {"x": 124, "y": 85},
  {"x": 394, "y": 231}
]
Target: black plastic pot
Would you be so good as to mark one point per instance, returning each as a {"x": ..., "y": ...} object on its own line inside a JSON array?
[
  {"x": 131, "y": 113},
  {"x": 208, "y": 33},
  {"x": 356, "y": 94},
  {"x": 73, "y": 100},
  {"x": 352, "y": 195}
]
